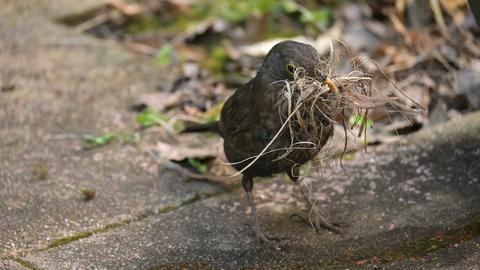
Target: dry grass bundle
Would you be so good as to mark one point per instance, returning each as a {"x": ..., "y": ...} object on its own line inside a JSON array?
[
  {"x": 308, "y": 100},
  {"x": 308, "y": 105}
]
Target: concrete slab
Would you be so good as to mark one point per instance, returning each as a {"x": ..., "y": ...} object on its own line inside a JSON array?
[
  {"x": 65, "y": 85},
  {"x": 416, "y": 199},
  {"x": 11, "y": 265},
  {"x": 460, "y": 256},
  {"x": 401, "y": 201}
]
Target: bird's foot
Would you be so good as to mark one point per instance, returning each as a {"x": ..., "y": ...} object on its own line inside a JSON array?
[
  {"x": 267, "y": 239},
  {"x": 318, "y": 219},
  {"x": 275, "y": 243}
]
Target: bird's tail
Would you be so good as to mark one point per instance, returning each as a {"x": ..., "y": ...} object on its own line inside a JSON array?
[{"x": 207, "y": 127}]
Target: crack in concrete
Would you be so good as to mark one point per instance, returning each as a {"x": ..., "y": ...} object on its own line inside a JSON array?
[
  {"x": 109, "y": 227},
  {"x": 197, "y": 197},
  {"x": 26, "y": 264}
]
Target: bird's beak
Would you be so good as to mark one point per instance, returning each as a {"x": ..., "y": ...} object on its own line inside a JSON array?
[
  {"x": 325, "y": 80},
  {"x": 331, "y": 85}
]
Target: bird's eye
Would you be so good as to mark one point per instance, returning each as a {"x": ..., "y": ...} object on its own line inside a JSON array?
[{"x": 291, "y": 68}]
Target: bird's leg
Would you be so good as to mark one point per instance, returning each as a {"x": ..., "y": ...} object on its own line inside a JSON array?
[
  {"x": 247, "y": 183},
  {"x": 317, "y": 217}
]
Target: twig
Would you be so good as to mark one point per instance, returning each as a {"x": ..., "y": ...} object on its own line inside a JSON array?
[
  {"x": 89, "y": 24},
  {"x": 437, "y": 13},
  {"x": 142, "y": 48},
  {"x": 66, "y": 136},
  {"x": 129, "y": 9}
]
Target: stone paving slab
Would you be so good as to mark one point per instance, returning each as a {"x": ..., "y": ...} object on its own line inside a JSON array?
[
  {"x": 396, "y": 199},
  {"x": 67, "y": 83},
  {"x": 400, "y": 202},
  {"x": 11, "y": 265},
  {"x": 463, "y": 256}
]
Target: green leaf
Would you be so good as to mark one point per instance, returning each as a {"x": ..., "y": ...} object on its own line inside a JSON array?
[
  {"x": 321, "y": 16},
  {"x": 142, "y": 24},
  {"x": 266, "y": 6},
  {"x": 213, "y": 114},
  {"x": 150, "y": 117},
  {"x": 164, "y": 55},
  {"x": 290, "y": 6},
  {"x": 212, "y": 118},
  {"x": 97, "y": 141},
  {"x": 231, "y": 14},
  {"x": 131, "y": 138},
  {"x": 358, "y": 120},
  {"x": 198, "y": 165}
]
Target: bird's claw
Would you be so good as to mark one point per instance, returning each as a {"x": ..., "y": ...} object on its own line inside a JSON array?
[
  {"x": 267, "y": 239},
  {"x": 275, "y": 243},
  {"x": 319, "y": 221}
]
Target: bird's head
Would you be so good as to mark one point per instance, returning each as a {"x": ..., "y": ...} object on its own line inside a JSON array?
[{"x": 283, "y": 60}]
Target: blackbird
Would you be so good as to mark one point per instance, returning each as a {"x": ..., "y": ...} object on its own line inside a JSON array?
[{"x": 253, "y": 117}]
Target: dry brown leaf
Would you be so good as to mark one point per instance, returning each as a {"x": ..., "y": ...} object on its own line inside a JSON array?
[
  {"x": 218, "y": 167},
  {"x": 262, "y": 48},
  {"x": 179, "y": 152},
  {"x": 396, "y": 56},
  {"x": 322, "y": 43},
  {"x": 456, "y": 9},
  {"x": 129, "y": 9},
  {"x": 191, "y": 53},
  {"x": 400, "y": 27},
  {"x": 159, "y": 101},
  {"x": 141, "y": 48},
  {"x": 221, "y": 179},
  {"x": 194, "y": 146}
]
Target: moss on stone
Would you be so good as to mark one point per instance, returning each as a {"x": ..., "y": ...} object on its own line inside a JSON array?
[
  {"x": 69, "y": 239},
  {"x": 26, "y": 264},
  {"x": 40, "y": 171},
  {"x": 421, "y": 247}
]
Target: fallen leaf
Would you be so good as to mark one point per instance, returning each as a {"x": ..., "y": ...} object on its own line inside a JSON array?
[
  {"x": 202, "y": 28},
  {"x": 150, "y": 117},
  {"x": 198, "y": 165},
  {"x": 361, "y": 262},
  {"x": 467, "y": 83},
  {"x": 97, "y": 141},
  {"x": 164, "y": 55},
  {"x": 87, "y": 194},
  {"x": 456, "y": 9},
  {"x": 129, "y": 9},
  {"x": 158, "y": 101},
  {"x": 182, "y": 151},
  {"x": 261, "y": 49}
]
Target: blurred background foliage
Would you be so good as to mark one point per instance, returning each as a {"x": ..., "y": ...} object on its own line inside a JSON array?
[{"x": 430, "y": 49}]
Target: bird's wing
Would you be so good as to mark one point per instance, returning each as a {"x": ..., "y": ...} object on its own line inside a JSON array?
[
  {"x": 236, "y": 112},
  {"x": 248, "y": 124}
]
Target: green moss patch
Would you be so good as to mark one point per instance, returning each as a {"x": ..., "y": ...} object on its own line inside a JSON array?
[{"x": 414, "y": 249}]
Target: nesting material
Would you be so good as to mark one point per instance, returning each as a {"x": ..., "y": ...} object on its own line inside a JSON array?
[
  {"x": 309, "y": 104},
  {"x": 308, "y": 99}
]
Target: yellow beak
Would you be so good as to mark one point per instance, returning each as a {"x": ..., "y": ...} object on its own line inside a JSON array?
[{"x": 331, "y": 85}]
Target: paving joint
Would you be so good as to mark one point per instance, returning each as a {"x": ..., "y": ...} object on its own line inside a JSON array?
[
  {"x": 26, "y": 264},
  {"x": 197, "y": 197}
]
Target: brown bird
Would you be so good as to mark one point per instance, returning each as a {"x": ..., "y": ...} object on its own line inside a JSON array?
[{"x": 252, "y": 122}]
